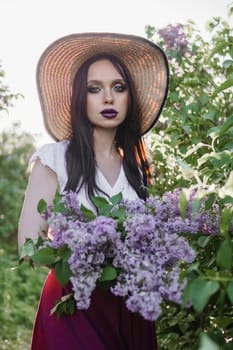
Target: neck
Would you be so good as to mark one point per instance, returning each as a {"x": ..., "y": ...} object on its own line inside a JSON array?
[{"x": 104, "y": 142}]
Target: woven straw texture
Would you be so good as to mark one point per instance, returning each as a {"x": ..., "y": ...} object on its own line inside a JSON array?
[{"x": 146, "y": 62}]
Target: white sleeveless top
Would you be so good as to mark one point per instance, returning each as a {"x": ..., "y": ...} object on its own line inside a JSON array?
[{"x": 53, "y": 156}]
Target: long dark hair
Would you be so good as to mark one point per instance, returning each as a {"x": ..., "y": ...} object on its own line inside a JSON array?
[{"x": 80, "y": 158}]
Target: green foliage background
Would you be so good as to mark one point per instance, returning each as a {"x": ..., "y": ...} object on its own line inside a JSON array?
[
  {"x": 19, "y": 286},
  {"x": 191, "y": 145}
]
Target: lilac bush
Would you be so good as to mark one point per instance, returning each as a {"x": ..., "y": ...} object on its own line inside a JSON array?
[{"x": 175, "y": 38}]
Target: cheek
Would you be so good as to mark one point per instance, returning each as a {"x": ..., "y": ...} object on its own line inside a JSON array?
[
  {"x": 90, "y": 105},
  {"x": 125, "y": 103}
]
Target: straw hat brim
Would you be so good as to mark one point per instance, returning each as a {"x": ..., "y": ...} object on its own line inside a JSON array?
[{"x": 145, "y": 61}]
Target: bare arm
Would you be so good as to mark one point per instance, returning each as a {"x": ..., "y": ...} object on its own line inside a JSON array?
[{"x": 42, "y": 184}]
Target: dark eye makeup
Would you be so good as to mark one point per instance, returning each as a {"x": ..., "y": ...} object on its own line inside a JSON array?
[{"x": 117, "y": 87}]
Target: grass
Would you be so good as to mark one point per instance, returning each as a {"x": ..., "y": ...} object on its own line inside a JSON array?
[{"x": 20, "y": 288}]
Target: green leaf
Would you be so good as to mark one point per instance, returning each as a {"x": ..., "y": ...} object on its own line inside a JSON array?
[
  {"x": 116, "y": 199},
  {"x": 194, "y": 148},
  {"x": 194, "y": 106},
  {"x": 103, "y": 205},
  {"x": 204, "y": 99},
  {"x": 206, "y": 343},
  {"x": 28, "y": 249},
  {"x": 183, "y": 202},
  {"x": 64, "y": 252},
  {"x": 42, "y": 206},
  {"x": 174, "y": 96},
  {"x": 210, "y": 201},
  {"x": 196, "y": 204},
  {"x": 224, "y": 254},
  {"x": 105, "y": 210},
  {"x": 230, "y": 292},
  {"x": 64, "y": 306},
  {"x": 220, "y": 159},
  {"x": 219, "y": 48},
  {"x": 226, "y": 125},
  {"x": 201, "y": 291},
  {"x": 210, "y": 115},
  {"x": 62, "y": 272},
  {"x": 58, "y": 206},
  {"x": 227, "y": 189},
  {"x": 119, "y": 213},
  {"x": 223, "y": 321},
  {"x": 227, "y": 63},
  {"x": 203, "y": 241},
  {"x": 71, "y": 306},
  {"x": 40, "y": 241},
  {"x": 187, "y": 294},
  {"x": 225, "y": 221},
  {"x": 187, "y": 172},
  {"x": 99, "y": 201},
  {"x": 205, "y": 158},
  {"x": 57, "y": 198},
  {"x": 213, "y": 132},
  {"x": 109, "y": 273},
  {"x": 87, "y": 212},
  {"x": 228, "y": 83},
  {"x": 45, "y": 256}
]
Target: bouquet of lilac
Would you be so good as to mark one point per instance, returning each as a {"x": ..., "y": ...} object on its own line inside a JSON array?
[{"x": 135, "y": 248}]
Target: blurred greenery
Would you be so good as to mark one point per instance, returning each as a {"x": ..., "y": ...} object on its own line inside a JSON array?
[
  {"x": 15, "y": 151},
  {"x": 20, "y": 291},
  {"x": 20, "y": 286},
  {"x": 6, "y": 96},
  {"x": 191, "y": 145}
]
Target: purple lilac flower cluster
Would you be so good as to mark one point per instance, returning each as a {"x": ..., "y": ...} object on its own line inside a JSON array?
[
  {"x": 174, "y": 38},
  {"x": 90, "y": 244},
  {"x": 146, "y": 249},
  {"x": 150, "y": 254}
]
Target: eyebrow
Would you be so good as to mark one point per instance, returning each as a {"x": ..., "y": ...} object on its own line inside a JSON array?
[{"x": 95, "y": 81}]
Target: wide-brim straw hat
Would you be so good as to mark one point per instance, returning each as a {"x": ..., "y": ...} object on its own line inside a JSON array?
[{"x": 146, "y": 62}]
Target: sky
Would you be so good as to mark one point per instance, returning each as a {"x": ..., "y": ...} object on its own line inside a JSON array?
[{"x": 27, "y": 27}]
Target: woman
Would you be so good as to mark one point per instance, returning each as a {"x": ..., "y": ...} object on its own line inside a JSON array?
[{"x": 100, "y": 92}]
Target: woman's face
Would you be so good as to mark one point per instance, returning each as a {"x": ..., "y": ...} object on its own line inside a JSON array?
[{"x": 107, "y": 95}]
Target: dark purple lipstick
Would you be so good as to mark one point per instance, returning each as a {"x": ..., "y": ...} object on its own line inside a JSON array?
[{"x": 109, "y": 113}]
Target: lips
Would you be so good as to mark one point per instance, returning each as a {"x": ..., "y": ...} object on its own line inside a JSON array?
[{"x": 109, "y": 113}]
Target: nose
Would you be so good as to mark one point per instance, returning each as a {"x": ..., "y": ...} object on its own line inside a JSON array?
[{"x": 108, "y": 96}]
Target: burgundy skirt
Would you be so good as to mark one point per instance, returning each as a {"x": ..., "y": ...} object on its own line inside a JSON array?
[{"x": 106, "y": 325}]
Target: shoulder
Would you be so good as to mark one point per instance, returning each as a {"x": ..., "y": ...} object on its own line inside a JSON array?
[
  {"x": 51, "y": 153},
  {"x": 53, "y": 148}
]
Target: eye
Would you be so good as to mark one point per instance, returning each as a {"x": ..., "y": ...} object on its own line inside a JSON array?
[
  {"x": 119, "y": 87},
  {"x": 93, "y": 89}
]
